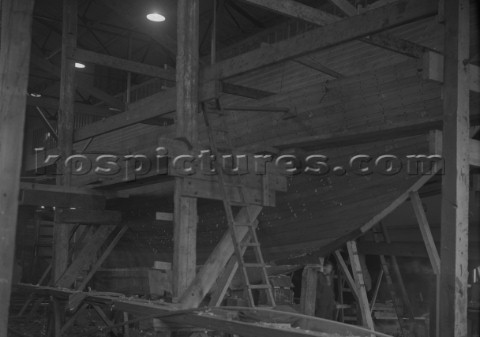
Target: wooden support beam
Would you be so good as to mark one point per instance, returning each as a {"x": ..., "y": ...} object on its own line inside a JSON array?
[
  {"x": 41, "y": 62},
  {"x": 312, "y": 64},
  {"x": 346, "y": 272},
  {"x": 61, "y": 199},
  {"x": 65, "y": 126},
  {"x": 122, "y": 64},
  {"x": 366, "y": 135},
  {"x": 433, "y": 69},
  {"x": 425, "y": 230},
  {"x": 376, "y": 289},
  {"x": 308, "y": 294},
  {"x": 240, "y": 90},
  {"x": 86, "y": 257},
  {"x": 70, "y": 190},
  {"x": 321, "y": 38},
  {"x": 185, "y": 208},
  {"x": 224, "y": 281},
  {"x": 397, "y": 202},
  {"x": 384, "y": 40},
  {"x": 474, "y": 152},
  {"x": 196, "y": 188},
  {"x": 359, "y": 281},
  {"x": 379, "y": 3},
  {"x": 295, "y": 9},
  {"x": 14, "y": 60},
  {"x": 436, "y": 147},
  {"x": 345, "y": 7},
  {"x": 68, "y": 324},
  {"x": 104, "y": 317},
  {"x": 397, "y": 45},
  {"x": 123, "y": 229},
  {"x": 455, "y": 183},
  {"x": 80, "y": 108},
  {"x": 108, "y": 99},
  {"x": 217, "y": 260},
  {"x": 138, "y": 112}
]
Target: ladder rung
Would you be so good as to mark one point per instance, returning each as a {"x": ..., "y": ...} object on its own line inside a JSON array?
[
  {"x": 254, "y": 265},
  {"x": 259, "y": 286}
]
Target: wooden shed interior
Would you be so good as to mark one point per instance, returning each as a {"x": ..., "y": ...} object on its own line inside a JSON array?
[{"x": 240, "y": 168}]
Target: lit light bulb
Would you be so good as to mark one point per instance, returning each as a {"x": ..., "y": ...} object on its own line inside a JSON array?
[
  {"x": 79, "y": 65},
  {"x": 155, "y": 17}
]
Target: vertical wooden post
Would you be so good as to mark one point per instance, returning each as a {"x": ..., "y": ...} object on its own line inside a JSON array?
[
  {"x": 309, "y": 290},
  {"x": 455, "y": 184},
  {"x": 185, "y": 212},
  {"x": 14, "y": 65},
  {"x": 61, "y": 233}
]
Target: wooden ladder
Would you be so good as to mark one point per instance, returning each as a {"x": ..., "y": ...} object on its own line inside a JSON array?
[
  {"x": 252, "y": 242},
  {"x": 379, "y": 236}
]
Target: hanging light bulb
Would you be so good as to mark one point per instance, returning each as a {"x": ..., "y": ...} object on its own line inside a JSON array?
[{"x": 155, "y": 17}]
